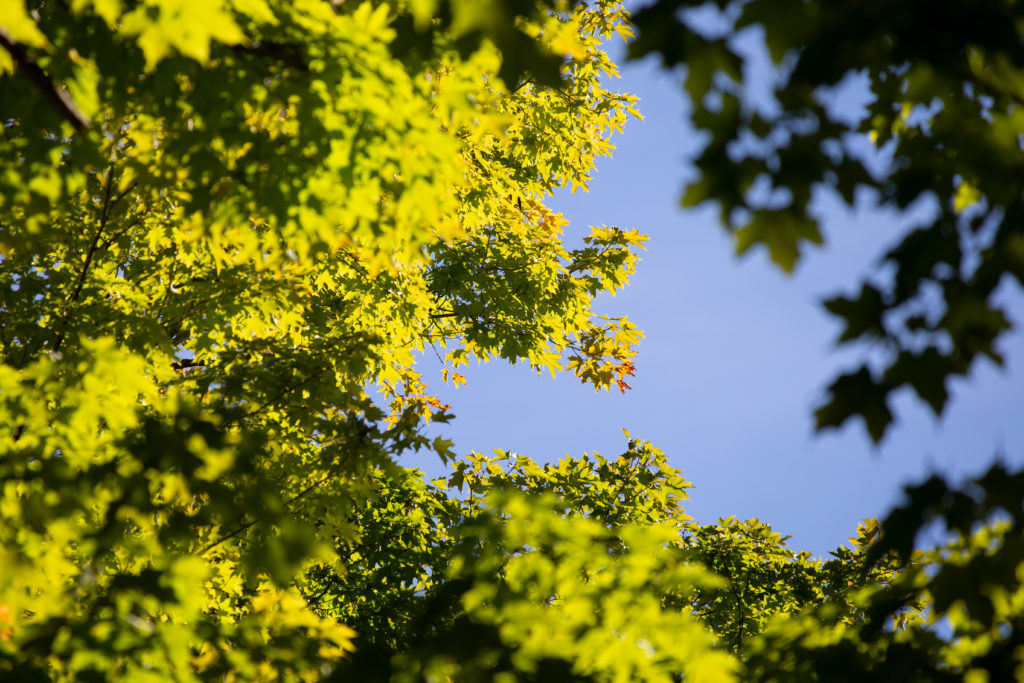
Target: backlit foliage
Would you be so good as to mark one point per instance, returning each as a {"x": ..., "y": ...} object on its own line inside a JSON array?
[
  {"x": 227, "y": 231},
  {"x": 224, "y": 226}
]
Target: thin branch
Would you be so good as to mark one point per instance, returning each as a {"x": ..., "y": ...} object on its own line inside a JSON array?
[
  {"x": 436, "y": 353},
  {"x": 279, "y": 395},
  {"x": 739, "y": 613},
  {"x": 276, "y": 397},
  {"x": 227, "y": 537},
  {"x": 104, "y": 216},
  {"x": 523, "y": 83},
  {"x": 136, "y": 222},
  {"x": 58, "y": 96},
  {"x": 247, "y": 525},
  {"x": 124, "y": 193},
  {"x": 288, "y": 54},
  {"x": 355, "y": 261}
]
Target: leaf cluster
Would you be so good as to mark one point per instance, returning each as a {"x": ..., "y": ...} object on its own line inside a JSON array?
[
  {"x": 228, "y": 229},
  {"x": 939, "y": 130}
]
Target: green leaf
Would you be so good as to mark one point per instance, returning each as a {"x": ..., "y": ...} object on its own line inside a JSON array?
[
  {"x": 857, "y": 394},
  {"x": 781, "y": 232}
]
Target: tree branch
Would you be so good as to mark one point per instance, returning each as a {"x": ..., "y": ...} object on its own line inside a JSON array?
[
  {"x": 334, "y": 470},
  {"x": 289, "y": 54},
  {"x": 104, "y": 216},
  {"x": 57, "y": 95}
]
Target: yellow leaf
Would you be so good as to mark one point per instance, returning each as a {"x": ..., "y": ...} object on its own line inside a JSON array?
[
  {"x": 565, "y": 40},
  {"x": 422, "y": 12},
  {"x": 258, "y": 10},
  {"x": 108, "y": 10},
  {"x": 17, "y": 23},
  {"x": 966, "y": 195},
  {"x": 186, "y": 27}
]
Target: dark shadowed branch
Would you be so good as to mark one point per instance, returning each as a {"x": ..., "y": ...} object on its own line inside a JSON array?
[{"x": 58, "y": 96}]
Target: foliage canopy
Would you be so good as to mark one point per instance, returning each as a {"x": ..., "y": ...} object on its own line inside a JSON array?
[{"x": 227, "y": 229}]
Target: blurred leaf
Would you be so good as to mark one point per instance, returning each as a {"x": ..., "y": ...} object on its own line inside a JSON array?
[{"x": 857, "y": 393}]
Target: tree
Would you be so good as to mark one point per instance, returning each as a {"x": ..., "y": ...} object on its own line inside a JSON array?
[
  {"x": 223, "y": 226},
  {"x": 227, "y": 229},
  {"x": 565, "y": 586},
  {"x": 604, "y": 579}
]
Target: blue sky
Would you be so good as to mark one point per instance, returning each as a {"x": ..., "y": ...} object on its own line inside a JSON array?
[{"x": 736, "y": 357}]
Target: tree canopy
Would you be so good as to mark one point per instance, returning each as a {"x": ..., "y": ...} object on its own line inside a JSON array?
[{"x": 226, "y": 231}]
